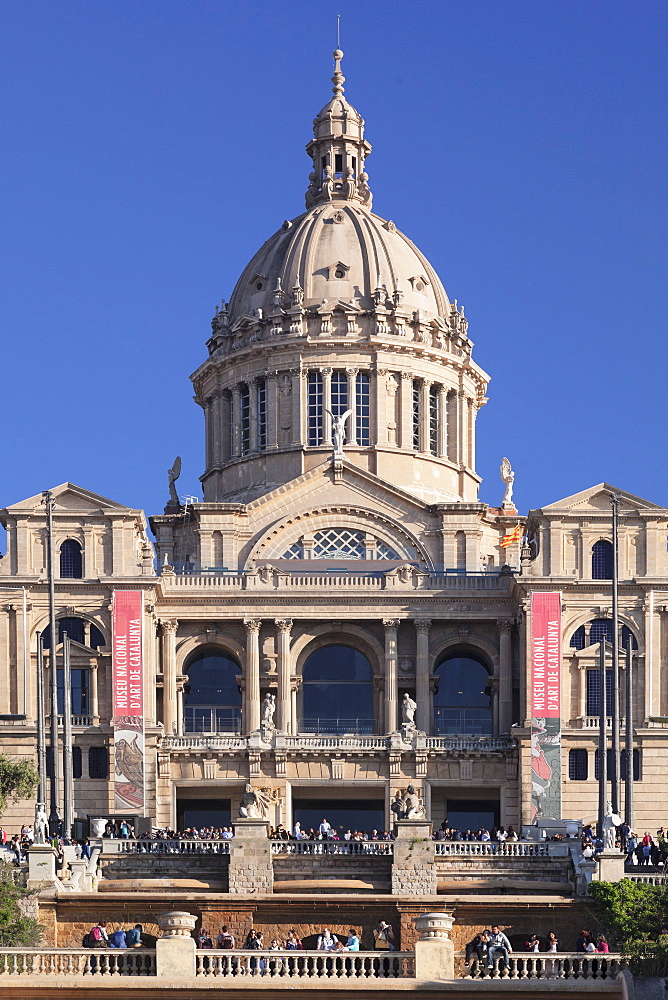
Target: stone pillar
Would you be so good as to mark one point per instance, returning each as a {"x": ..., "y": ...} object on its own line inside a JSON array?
[
  {"x": 299, "y": 422},
  {"x": 442, "y": 422},
  {"x": 471, "y": 422},
  {"x": 251, "y": 869},
  {"x": 271, "y": 377},
  {"x": 422, "y": 675},
  {"x": 252, "y": 415},
  {"x": 413, "y": 864},
  {"x": 505, "y": 675},
  {"x": 434, "y": 951},
  {"x": 283, "y": 720},
  {"x": 41, "y": 865},
  {"x": 180, "y": 700},
  {"x": 326, "y": 405},
  {"x": 235, "y": 435},
  {"x": 391, "y": 626},
  {"x": 169, "y": 676},
  {"x": 252, "y": 626},
  {"x": 175, "y": 950},
  {"x": 351, "y": 426},
  {"x": 610, "y": 866},
  {"x": 406, "y": 410},
  {"x": 461, "y": 427},
  {"x": 94, "y": 695}
]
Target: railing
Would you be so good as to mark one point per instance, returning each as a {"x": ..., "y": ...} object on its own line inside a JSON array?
[
  {"x": 531, "y": 965},
  {"x": 77, "y": 962},
  {"x": 78, "y": 721},
  {"x": 483, "y": 744},
  {"x": 207, "y": 719},
  {"x": 146, "y": 845},
  {"x": 490, "y": 849},
  {"x": 648, "y": 879},
  {"x": 475, "y": 722},
  {"x": 334, "y": 742},
  {"x": 593, "y": 722},
  {"x": 306, "y": 964},
  {"x": 358, "y": 848},
  {"x": 197, "y": 742},
  {"x": 338, "y": 727},
  {"x": 279, "y": 580}
]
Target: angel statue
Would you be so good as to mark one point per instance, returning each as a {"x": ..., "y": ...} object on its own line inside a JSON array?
[
  {"x": 254, "y": 803},
  {"x": 172, "y": 475},
  {"x": 339, "y": 431},
  {"x": 508, "y": 477}
]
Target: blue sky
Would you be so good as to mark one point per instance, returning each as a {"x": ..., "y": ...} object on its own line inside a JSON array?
[{"x": 150, "y": 146}]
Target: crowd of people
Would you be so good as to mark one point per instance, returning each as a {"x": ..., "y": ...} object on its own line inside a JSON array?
[
  {"x": 647, "y": 850},
  {"x": 492, "y": 945}
]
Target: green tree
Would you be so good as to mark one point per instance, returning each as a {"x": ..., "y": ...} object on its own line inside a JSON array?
[
  {"x": 18, "y": 779},
  {"x": 633, "y": 916},
  {"x": 17, "y": 927}
]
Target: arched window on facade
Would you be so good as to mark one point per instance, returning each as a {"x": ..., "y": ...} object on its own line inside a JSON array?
[
  {"x": 463, "y": 699},
  {"x": 337, "y": 692},
  {"x": 76, "y": 630},
  {"x": 212, "y": 699},
  {"x": 71, "y": 561},
  {"x": 601, "y": 560},
  {"x": 85, "y": 633},
  {"x": 600, "y": 628}
]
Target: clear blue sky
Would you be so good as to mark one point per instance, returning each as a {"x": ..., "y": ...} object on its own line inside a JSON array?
[{"x": 150, "y": 146}]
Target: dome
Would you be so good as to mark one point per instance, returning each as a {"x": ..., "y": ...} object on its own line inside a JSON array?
[{"x": 339, "y": 251}]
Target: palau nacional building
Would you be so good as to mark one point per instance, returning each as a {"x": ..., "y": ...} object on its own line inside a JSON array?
[{"x": 339, "y": 561}]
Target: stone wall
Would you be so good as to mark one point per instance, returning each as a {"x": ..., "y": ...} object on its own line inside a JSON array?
[
  {"x": 372, "y": 871},
  {"x": 413, "y": 867}
]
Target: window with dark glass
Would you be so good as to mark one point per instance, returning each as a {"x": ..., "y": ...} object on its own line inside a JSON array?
[
  {"x": 434, "y": 418},
  {"x": 578, "y": 765},
  {"x": 71, "y": 560},
  {"x": 363, "y": 407},
  {"x": 601, "y": 560},
  {"x": 340, "y": 395},
  {"x": 79, "y": 683},
  {"x": 338, "y": 165},
  {"x": 593, "y": 692},
  {"x": 315, "y": 405},
  {"x": 75, "y": 628},
  {"x": 622, "y": 765},
  {"x": 77, "y": 767},
  {"x": 98, "y": 762},
  {"x": 244, "y": 418},
  {"x": 212, "y": 697},
  {"x": 463, "y": 699},
  {"x": 261, "y": 414},
  {"x": 417, "y": 413},
  {"x": 601, "y": 628},
  {"x": 337, "y": 692}
]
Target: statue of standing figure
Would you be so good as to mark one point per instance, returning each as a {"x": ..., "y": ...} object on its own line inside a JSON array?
[
  {"x": 508, "y": 477},
  {"x": 339, "y": 431},
  {"x": 408, "y": 709},
  {"x": 41, "y": 824},
  {"x": 172, "y": 475},
  {"x": 268, "y": 709},
  {"x": 610, "y": 823}
]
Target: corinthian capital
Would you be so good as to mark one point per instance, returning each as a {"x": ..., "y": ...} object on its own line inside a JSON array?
[
  {"x": 391, "y": 623},
  {"x": 252, "y": 624},
  {"x": 284, "y": 625}
]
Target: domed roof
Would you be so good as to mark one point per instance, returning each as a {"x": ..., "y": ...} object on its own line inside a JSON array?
[{"x": 339, "y": 250}]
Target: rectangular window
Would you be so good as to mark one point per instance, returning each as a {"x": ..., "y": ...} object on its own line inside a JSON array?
[
  {"x": 98, "y": 762},
  {"x": 339, "y": 393},
  {"x": 314, "y": 430},
  {"x": 417, "y": 414},
  {"x": 79, "y": 688},
  {"x": 77, "y": 769},
  {"x": 434, "y": 418},
  {"x": 593, "y": 688},
  {"x": 636, "y": 765},
  {"x": 363, "y": 408},
  {"x": 338, "y": 165},
  {"x": 261, "y": 415},
  {"x": 244, "y": 418},
  {"x": 578, "y": 765}
]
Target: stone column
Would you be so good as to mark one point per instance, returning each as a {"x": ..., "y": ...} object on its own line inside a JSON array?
[
  {"x": 505, "y": 675},
  {"x": 94, "y": 695},
  {"x": 326, "y": 405},
  {"x": 179, "y": 709},
  {"x": 252, "y": 415},
  {"x": 434, "y": 951},
  {"x": 235, "y": 435},
  {"x": 252, "y": 626},
  {"x": 351, "y": 425},
  {"x": 175, "y": 950},
  {"x": 271, "y": 377},
  {"x": 422, "y": 675},
  {"x": 471, "y": 448},
  {"x": 169, "y": 676},
  {"x": 391, "y": 626},
  {"x": 461, "y": 427},
  {"x": 406, "y": 409},
  {"x": 414, "y": 863},
  {"x": 299, "y": 422},
  {"x": 251, "y": 869},
  {"x": 283, "y": 720}
]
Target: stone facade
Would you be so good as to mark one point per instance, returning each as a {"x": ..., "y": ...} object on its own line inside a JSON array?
[{"x": 381, "y": 545}]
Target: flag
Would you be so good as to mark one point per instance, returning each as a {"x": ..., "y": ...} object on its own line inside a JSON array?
[{"x": 512, "y": 536}]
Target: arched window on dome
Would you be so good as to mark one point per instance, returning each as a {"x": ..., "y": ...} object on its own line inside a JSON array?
[
  {"x": 341, "y": 543},
  {"x": 601, "y": 560},
  {"x": 337, "y": 692},
  {"x": 463, "y": 699},
  {"x": 71, "y": 560},
  {"x": 212, "y": 698}
]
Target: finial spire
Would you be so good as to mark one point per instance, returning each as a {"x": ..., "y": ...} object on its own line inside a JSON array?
[{"x": 338, "y": 79}]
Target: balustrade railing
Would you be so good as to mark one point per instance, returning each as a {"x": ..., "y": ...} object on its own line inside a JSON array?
[
  {"x": 490, "y": 849},
  {"x": 305, "y": 741},
  {"x": 306, "y": 964},
  {"x": 312, "y": 580},
  {"x": 351, "y": 848},
  {"x": 656, "y": 879},
  {"x": 77, "y": 962},
  {"x": 160, "y": 846},
  {"x": 534, "y": 965},
  {"x": 481, "y": 744}
]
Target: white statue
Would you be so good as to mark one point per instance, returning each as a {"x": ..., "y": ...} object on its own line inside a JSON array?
[
  {"x": 253, "y": 803},
  {"x": 508, "y": 477},
  {"x": 268, "y": 709},
  {"x": 408, "y": 707},
  {"x": 41, "y": 824},
  {"x": 610, "y": 823},
  {"x": 413, "y": 806},
  {"x": 339, "y": 431}
]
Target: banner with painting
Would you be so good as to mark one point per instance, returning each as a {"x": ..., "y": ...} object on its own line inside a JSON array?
[
  {"x": 128, "y": 701},
  {"x": 545, "y": 697}
]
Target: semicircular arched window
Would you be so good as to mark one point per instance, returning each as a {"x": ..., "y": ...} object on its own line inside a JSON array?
[
  {"x": 71, "y": 561},
  {"x": 463, "y": 700},
  {"x": 341, "y": 543},
  {"x": 212, "y": 702},
  {"x": 337, "y": 692},
  {"x": 601, "y": 560}
]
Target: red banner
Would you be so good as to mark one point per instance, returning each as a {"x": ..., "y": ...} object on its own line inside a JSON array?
[
  {"x": 545, "y": 698},
  {"x": 128, "y": 700}
]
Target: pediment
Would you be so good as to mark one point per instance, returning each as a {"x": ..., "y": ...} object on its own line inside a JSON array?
[
  {"x": 68, "y": 496},
  {"x": 596, "y": 499}
]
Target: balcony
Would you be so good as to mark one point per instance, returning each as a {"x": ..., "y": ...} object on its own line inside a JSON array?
[
  {"x": 339, "y": 741},
  {"x": 205, "y": 719}
]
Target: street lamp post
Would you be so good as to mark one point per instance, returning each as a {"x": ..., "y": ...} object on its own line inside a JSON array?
[
  {"x": 615, "y": 769},
  {"x": 54, "y": 814}
]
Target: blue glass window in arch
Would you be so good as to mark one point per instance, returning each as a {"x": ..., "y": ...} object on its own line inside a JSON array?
[
  {"x": 71, "y": 561},
  {"x": 337, "y": 692},
  {"x": 463, "y": 700},
  {"x": 75, "y": 628},
  {"x": 212, "y": 701},
  {"x": 601, "y": 560}
]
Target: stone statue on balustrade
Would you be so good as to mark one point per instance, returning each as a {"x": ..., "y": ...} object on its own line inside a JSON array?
[
  {"x": 254, "y": 803},
  {"x": 41, "y": 824},
  {"x": 267, "y": 726},
  {"x": 507, "y": 477},
  {"x": 408, "y": 805},
  {"x": 610, "y": 823},
  {"x": 408, "y": 708}
]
